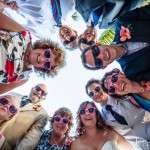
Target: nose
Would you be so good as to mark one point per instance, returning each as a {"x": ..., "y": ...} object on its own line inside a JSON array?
[
  {"x": 86, "y": 112},
  {"x": 67, "y": 38},
  {"x": 43, "y": 59}
]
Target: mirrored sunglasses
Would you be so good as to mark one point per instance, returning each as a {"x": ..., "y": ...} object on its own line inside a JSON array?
[
  {"x": 12, "y": 109},
  {"x": 37, "y": 88},
  {"x": 64, "y": 120},
  {"x": 97, "y": 89},
  {"x": 90, "y": 110}
]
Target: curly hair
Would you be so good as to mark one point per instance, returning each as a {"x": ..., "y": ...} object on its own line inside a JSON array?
[
  {"x": 91, "y": 81},
  {"x": 56, "y": 50},
  {"x": 63, "y": 111},
  {"x": 102, "y": 83},
  {"x": 100, "y": 124}
]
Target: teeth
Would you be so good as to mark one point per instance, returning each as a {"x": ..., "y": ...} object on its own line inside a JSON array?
[
  {"x": 123, "y": 84},
  {"x": 107, "y": 54},
  {"x": 38, "y": 59}
]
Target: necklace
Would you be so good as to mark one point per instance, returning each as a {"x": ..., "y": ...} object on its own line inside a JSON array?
[{"x": 56, "y": 143}]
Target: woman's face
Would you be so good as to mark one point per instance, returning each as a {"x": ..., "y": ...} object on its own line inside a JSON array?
[
  {"x": 60, "y": 124},
  {"x": 9, "y": 106},
  {"x": 42, "y": 58},
  {"x": 118, "y": 84},
  {"x": 88, "y": 116}
]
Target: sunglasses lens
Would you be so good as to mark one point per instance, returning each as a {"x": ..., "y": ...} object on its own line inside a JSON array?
[
  {"x": 44, "y": 93},
  {"x": 83, "y": 40},
  {"x": 47, "y": 54},
  {"x": 82, "y": 112},
  {"x": 91, "y": 43},
  {"x": 47, "y": 65},
  {"x": 72, "y": 38},
  {"x": 12, "y": 109},
  {"x": 98, "y": 63},
  {"x": 97, "y": 89},
  {"x": 112, "y": 90},
  {"x": 37, "y": 88},
  {"x": 3, "y": 101},
  {"x": 95, "y": 51},
  {"x": 91, "y": 94},
  {"x": 65, "y": 42},
  {"x": 114, "y": 78},
  {"x": 57, "y": 118},
  {"x": 91, "y": 110},
  {"x": 65, "y": 121}
]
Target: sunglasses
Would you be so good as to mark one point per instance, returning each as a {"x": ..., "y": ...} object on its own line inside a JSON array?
[
  {"x": 90, "y": 110},
  {"x": 64, "y": 120},
  {"x": 84, "y": 41},
  {"x": 72, "y": 38},
  {"x": 97, "y": 89},
  {"x": 37, "y": 88},
  {"x": 12, "y": 109},
  {"x": 47, "y": 54},
  {"x": 114, "y": 79}
]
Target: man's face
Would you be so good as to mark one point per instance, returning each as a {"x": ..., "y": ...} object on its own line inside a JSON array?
[
  {"x": 96, "y": 93},
  {"x": 105, "y": 54},
  {"x": 67, "y": 36},
  {"x": 38, "y": 93}
]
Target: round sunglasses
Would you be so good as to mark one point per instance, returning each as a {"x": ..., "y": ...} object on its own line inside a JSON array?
[
  {"x": 64, "y": 120},
  {"x": 47, "y": 54},
  {"x": 90, "y": 110},
  {"x": 97, "y": 89},
  {"x": 112, "y": 89},
  {"x": 12, "y": 109}
]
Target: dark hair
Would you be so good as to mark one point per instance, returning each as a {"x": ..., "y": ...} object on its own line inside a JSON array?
[
  {"x": 100, "y": 124},
  {"x": 102, "y": 83},
  {"x": 91, "y": 81},
  {"x": 63, "y": 111},
  {"x": 84, "y": 60},
  {"x": 60, "y": 60}
]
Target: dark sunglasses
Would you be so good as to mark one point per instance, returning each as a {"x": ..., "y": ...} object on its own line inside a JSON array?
[
  {"x": 90, "y": 110},
  {"x": 84, "y": 41},
  {"x": 47, "y": 54},
  {"x": 12, "y": 108},
  {"x": 96, "y": 51},
  {"x": 72, "y": 38},
  {"x": 64, "y": 120},
  {"x": 97, "y": 89},
  {"x": 37, "y": 88},
  {"x": 114, "y": 79}
]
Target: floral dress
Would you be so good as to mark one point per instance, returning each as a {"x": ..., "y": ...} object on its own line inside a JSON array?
[
  {"x": 12, "y": 49},
  {"x": 45, "y": 145}
]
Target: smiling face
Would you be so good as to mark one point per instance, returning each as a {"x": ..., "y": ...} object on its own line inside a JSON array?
[
  {"x": 5, "y": 109},
  {"x": 89, "y": 119},
  {"x": 39, "y": 58},
  {"x": 107, "y": 54},
  {"x": 90, "y": 34},
  {"x": 68, "y": 36},
  {"x": 119, "y": 84},
  {"x": 59, "y": 127},
  {"x": 36, "y": 95},
  {"x": 98, "y": 96}
]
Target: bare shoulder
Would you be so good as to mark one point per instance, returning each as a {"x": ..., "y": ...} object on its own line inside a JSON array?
[{"x": 75, "y": 144}]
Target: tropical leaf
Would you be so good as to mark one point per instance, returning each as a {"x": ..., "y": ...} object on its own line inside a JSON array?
[
  {"x": 75, "y": 16},
  {"x": 107, "y": 37}
]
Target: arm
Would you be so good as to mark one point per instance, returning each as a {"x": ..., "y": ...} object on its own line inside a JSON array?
[
  {"x": 8, "y": 24},
  {"x": 122, "y": 143},
  {"x": 32, "y": 137},
  {"x": 12, "y": 85}
]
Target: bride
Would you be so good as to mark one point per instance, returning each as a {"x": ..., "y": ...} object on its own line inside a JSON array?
[{"x": 94, "y": 134}]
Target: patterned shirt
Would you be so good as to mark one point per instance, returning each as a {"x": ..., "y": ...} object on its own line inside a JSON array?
[{"x": 45, "y": 145}]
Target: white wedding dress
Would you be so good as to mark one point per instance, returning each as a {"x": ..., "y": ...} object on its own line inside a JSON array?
[{"x": 109, "y": 145}]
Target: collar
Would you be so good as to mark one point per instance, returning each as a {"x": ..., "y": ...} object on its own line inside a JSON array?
[{"x": 111, "y": 101}]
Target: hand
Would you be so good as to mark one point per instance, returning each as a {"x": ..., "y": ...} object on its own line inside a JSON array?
[{"x": 13, "y": 5}]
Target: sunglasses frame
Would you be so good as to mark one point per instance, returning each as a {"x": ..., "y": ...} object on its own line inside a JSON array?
[
  {"x": 37, "y": 88},
  {"x": 94, "y": 91},
  {"x": 60, "y": 119},
  {"x": 49, "y": 60},
  {"x": 72, "y": 38},
  {"x": 87, "y": 110},
  {"x": 8, "y": 104}
]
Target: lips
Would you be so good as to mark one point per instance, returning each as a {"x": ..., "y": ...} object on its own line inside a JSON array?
[
  {"x": 36, "y": 95},
  {"x": 107, "y": 55}
]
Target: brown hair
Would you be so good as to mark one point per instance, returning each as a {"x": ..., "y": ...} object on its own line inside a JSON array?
[{"x": 63, "y": 111}]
